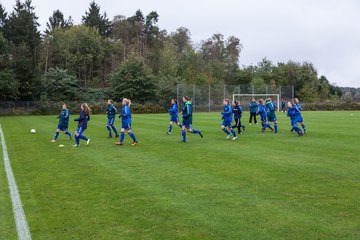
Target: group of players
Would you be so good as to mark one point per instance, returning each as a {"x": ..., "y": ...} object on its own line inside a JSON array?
[{"x": 265, "y": 109}]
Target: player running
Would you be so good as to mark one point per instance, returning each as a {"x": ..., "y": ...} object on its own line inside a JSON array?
[
  {"x": 293, "y": 113},
  {"x": 300, "y": 118},
  {"x": 82, "y": 124},
  {"x": 126, "y": 122},
  {"x": 237, "y": 111},
  {"x": 262, "y": 112},
  {"x": 174, "y": 117},
  {"x": 111, "y": 112},
  {"x": 270, "y": 113},
  {"x": 187, "y": 119},
  {"x": 227, "y": 119},
  {"x": 63, "y": 123}
]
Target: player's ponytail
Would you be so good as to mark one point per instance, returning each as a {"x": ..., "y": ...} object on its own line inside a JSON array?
[
  {"x": 87, "y": 109},
  {"x": 129, "y": 102}
]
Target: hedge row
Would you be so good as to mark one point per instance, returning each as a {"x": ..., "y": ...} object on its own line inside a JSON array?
[{"x": 47, "y": 108}]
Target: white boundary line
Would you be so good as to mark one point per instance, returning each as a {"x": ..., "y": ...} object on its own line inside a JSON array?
[{"x": 19, "y": 215}]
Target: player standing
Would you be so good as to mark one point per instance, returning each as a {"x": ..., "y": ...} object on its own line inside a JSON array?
[
  {"x": 253, "y": 107},
  {"x": 111, "y": 113}
]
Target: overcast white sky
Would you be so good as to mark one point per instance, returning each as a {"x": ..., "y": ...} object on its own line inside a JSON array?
[{"x": 324, "y": 32}]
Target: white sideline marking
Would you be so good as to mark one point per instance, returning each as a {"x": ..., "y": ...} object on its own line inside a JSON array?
[{"x": 19, "y": 215}]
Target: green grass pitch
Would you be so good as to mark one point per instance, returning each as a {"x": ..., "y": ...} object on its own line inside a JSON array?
[{"x": 262, "y": 186}]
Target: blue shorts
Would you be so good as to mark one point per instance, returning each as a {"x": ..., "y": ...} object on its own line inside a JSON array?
[
  {"x": 111, "y": 121},
  {"x": 294, "y": 123},
  {"x": 174, "y": 119},
  {"x": 61, "y": 127},
  {"x": 226, "y": 124},
  {"x": 271, "y": 118},
  {"x": 80, "y": 130},
  {"x": 126, "y": 126},
  {"x": 300, "y": 119}
]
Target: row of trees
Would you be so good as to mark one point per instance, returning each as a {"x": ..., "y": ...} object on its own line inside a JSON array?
[{"x": 128, "y": 56}]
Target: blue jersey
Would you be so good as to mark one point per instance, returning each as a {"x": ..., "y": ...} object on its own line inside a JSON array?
[
  {"x": 237, "y": 110},
  {"x": 174, "y": 110},
  {"x": 261, "y": 111},
  {"x": 253, "y": 107},
  {"x": 126, "y": 115},
  {"x": 187, "y": 113},
  {"x": 270, "y": 109},
  {"x": 64, "y": 118},
  {"x": 111, "y": 111},
  {"x": 293, "y": 113},
  {"x": 227, "y": 113},
  {"x": 299, "y": 108},
  {"x": 82, "y": 120}
]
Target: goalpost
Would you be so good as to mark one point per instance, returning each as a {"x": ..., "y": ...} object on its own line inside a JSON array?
[{"x": 266, "y": 95}]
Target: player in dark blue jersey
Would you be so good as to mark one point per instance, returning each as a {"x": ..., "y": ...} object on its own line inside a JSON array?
[
  {"x": 63, "y": 123},
  {"x": 111, "y": 112},
  {"x": 253, "y": 108},
  {"x": 227, "y": 120},
  {"x": 82, "y": 124},
  {"x": 270, "y": 113},
  {"x": 187, "y": 119},
  {"x": 237, "y": 111},
  {"x": 300, "y": 118},
  {"x": 174, "y": 116},
  {"x": 262, "y": 112},
  {"x": 126, "y": 122}
]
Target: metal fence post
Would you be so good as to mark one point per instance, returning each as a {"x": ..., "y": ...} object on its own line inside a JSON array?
[
  {"x": 224, "y": 91},
  {"x": 177, "y": 93},
  {"x": 209, "y": 98},
  {"x": 193, "y": 101},
  {"x": 292, "y": 92}
]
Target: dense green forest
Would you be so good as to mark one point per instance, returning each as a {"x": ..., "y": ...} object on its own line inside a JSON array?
[{"x": 129, "y": 56}]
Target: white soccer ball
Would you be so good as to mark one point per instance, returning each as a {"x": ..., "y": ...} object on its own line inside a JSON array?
[{"x": 33, "y": 131}]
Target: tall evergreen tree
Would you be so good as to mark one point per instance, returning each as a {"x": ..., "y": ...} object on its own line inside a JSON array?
[
  {"x": 93, "y": 18},
  {"x": 3, "y": 18},
  {"x": 57, "y": 20},
  {"x": 22, "y": 32}
]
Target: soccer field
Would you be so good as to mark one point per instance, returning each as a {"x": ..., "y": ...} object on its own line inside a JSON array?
[{"x": 261, "y": 186}]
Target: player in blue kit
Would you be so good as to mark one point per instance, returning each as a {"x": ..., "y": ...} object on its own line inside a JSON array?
[
  {"x": 111, "y": 112},
  {"x": 262, "y": 112},
  {"x": 126, "y": 122},
  {"x": 293, "y": 113},
  {"x": 82, "y": 124},
  {"x": 227, "y": 120},
  {"x": 270, "y": 113},
  {"x": 253, "y": 107},
  {"x": 300, "y": 118},
  {"x": 237, "y": 111},
  {"x": 187, "y": 119},
  {"x": 174, "y": 116},
  {"x": 63, "y": 123}
]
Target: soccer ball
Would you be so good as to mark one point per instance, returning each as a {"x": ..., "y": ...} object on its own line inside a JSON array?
[{"x": 33, "y": 131}]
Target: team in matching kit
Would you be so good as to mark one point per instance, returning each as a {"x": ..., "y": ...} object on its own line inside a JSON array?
[{"x": 265, "y": 109}]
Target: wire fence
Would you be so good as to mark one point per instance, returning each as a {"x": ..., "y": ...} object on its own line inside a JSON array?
[{"x": 209, "y": 98}]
